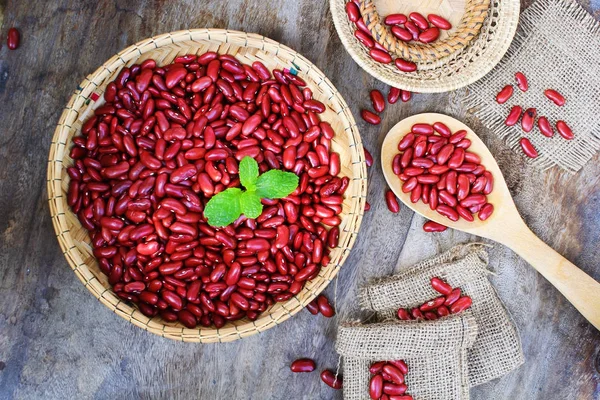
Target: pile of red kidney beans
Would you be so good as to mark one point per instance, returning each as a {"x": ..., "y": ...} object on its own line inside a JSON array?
[
  {"x": 436, "y": 168},
  {"x": 169, "y": 138}
]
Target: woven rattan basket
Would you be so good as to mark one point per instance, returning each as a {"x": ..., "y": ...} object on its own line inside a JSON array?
[
  {"x": 73, "y": 238},
  {"x": 460, "y": 57}
]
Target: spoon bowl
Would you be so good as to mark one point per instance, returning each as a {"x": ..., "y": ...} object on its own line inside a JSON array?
[{"x": 505, "y": 225}]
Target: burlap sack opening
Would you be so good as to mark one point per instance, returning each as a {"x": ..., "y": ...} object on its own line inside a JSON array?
[
  {"x": 497, "y": 349},
  {"x": 435, "y": 352}
]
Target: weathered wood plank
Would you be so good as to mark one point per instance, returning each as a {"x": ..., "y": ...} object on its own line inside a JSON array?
[{"x": 56, "y": 341}]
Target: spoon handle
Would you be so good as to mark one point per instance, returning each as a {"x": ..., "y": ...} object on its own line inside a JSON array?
[{"x": 577, "y": 286}]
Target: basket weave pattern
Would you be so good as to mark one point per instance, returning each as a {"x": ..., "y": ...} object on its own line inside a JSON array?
[
  {"x": 73, "y": 238},
  {"x": 474, "y": 15},
  {"x": 457, "y": 70}
]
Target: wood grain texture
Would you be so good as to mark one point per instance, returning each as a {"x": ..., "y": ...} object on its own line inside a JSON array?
[{"x": 56, "y": 341}]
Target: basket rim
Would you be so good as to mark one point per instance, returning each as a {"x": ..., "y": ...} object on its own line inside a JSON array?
[
  {"x": 270, "y": 318},
  {"x": 477, "y": 69}
]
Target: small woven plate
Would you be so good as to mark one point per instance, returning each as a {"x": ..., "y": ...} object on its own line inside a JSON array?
[
  {"x": 73, "y": 238},
  {"x": 460, "y": 60}
]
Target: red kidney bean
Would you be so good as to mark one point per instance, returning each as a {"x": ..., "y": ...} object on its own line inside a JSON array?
[
  {"x": 439, "y": 22},
  {"x": 352, "y": 11},
  {"x": 364, "y": 38},
  {"x": 442, "y": 129},
  {"x": 486, "y": 211},
  {"x": 303, "y": 365},
  {"x": 395, "y": 19},
  {"x": 479, "y": 185},
  {"x": 401, "y": 33},
  {"x": 331, "y": 379},
  {"x": 416, "y": 313},
  {"x": 313, "y": 307},
  {"x": 392, "y": 389},
  {"x": 505, "y": 94},
  {"x": 457, "y": 158},
  {"x": 489, "y": 185},
  {"x": 528, "y": 119},
  {"x": 376, "y": 387},
  {"x": 406, "y": 95},
  {"x": 13, "y": 39},
  {"x": 413, "y": 29},
  {"x": 394, "y": 373},
  {"x": 419, "y": 20},
  {"x": 432, "y": 304},
  {"x": 555, "y": 97},
  {"x": 422, "y": 129},
  {"x": 406, "y": 142},
  {"x": 380, "y": 56},
  {"x": 457, "y": 136},
  {"x": 401, "y": 365},
  {"x": 528, "y": 148},
  {"x": 370, "y": 117},
  {"x": 394, "y": 95},
  {"x": 444, "y": 154},
  {"x": 404, "y": 315},
  {"x": 461, "y": 304},
  {"x": 442, "y": 311},
  {"x": 377, "y": 100},
  {"x": 564, "y": 130},
  {"x": 405, "y": 66},
  {"x": 392, "y": 201},
  {"x": 545, "y": 127},
  {"x": 473, "y": 200},
  {"x": 368, "y": 158},
  {"x": 376, "y": 368},
  {"x": 324, "y": 307},
  {"x": 152, "y": 176},
  {"x": 447, "y": 212},
  {"x": 521, "y": 81},
  {"x": 429, "y": 35},
  {"x": 431, "y": 226},
  {"x": 513, "y": 116},
  {"x": 440, "y": 286}
]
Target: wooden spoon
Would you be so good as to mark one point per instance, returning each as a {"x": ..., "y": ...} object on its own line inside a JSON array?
[{"x": 505, "y": 225}]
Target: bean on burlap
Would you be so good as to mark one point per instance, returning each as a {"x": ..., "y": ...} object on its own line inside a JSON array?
[
  {"x": 497, "y": 349},
  {"x": 435, "y": 352},
  {"x": 556, "y": 47}
]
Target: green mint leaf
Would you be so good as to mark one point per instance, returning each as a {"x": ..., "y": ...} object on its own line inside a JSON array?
[
  {"x": 276, "y": 184},
  {"x": 251, "y": 205},
  {"x": 223, "y": 208},
  {"x": 248, "y": 172}
]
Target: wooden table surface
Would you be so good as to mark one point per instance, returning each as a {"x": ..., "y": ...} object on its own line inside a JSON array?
[{"x": 58, "y": 342}]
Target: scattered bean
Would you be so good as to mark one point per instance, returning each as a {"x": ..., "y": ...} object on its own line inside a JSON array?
[{"x": 303, "y": 365}]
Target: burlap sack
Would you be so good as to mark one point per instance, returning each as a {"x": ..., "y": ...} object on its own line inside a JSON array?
[
  {"x": 497, "y": 349},
  {"x": 556, "y": 47},
  {"x": 435, "y": 352}
]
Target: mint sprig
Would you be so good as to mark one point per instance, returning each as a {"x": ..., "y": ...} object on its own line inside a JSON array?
[{"x": 225, "y": 207}]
